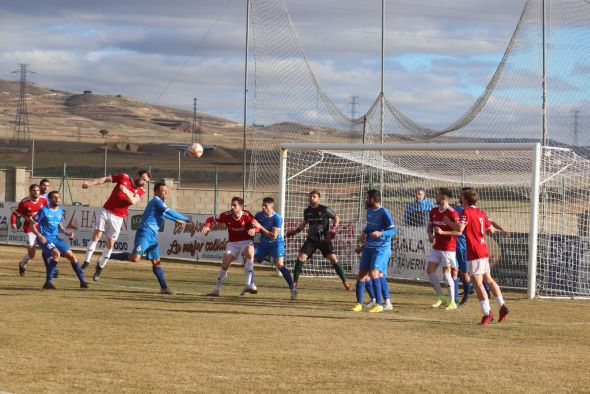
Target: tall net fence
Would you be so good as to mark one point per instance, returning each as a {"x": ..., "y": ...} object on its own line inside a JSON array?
[{"x": 503, "y": 179}]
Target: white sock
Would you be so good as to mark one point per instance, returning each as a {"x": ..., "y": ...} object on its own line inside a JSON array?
[
  {"x": 500, "y": 301},
  {"x": 90, "y": 251},
  {"x": 26, "y": 258},
  {"x": 104, "y": 259},
  {"x": 485, "y": 307},
  {"x": 220, "y": 278},
  {"x": 435, "y": 283},
  {"x": 451, "y": 285},
  {"x": 387, "y": 302},
  {"x": 248, "y": 272}
]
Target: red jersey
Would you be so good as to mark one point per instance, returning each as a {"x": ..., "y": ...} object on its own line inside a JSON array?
[
  {"x": 476, "y": 224},
  {"x": 117, "y": 202},
  {"x": 28, "y": 208},
  {"x": 237, "y": 228},
  {"x": 446, "y": 243}
]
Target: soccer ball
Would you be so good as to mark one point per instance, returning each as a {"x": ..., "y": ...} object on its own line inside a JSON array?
[{"x": 195, "y": 150}]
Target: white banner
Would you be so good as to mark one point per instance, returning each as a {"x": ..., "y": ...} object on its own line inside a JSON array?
[{"x": 409, "y": 251}]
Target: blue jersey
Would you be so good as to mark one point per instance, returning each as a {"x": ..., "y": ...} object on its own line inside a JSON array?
[
  {"x": 153, "y": 215},
  {"x": 270, "y": 222},
  {"x": 416, "y": 212},
  {"x": 379, "y": 220},
  {"x": 48, "y": 220},
  {"x": 461, "y": 238}
]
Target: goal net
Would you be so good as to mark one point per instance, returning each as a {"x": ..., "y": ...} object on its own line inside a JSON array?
[{"x": 538, "y": 195}]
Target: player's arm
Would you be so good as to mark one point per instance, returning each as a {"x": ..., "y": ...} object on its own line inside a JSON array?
[
  {"x": 209, "y": 221},
  {"x": 176, "y": 217},
  {"x": 430, "y": 232},
  {"x": 132, "y": 198},
  {"x": 439, "y": 231},
  {"x": 500, "y": 228},
  {"x": 455, "y": 226},
  {"x": 272, "y": 234},
  {"x": 97, "y": 181},
  {"x": 33, "y": 224},
  {"x": 65, "y": 231},
  {"x": 13, "y": 220},
  {"x": 297, "y": 229}
]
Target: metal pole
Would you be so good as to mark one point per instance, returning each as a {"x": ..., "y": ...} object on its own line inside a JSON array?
[
  {"x": 105, "y": 157},
  {"x": 32, "y": 157},
  {"x": 283, "y": 186},
  {"x": 544, "y": 107},
  {"x": 245, "y": 100},
  {"x": 382, "y": 95},
  {"x": 178, "y": 177},
  {"x": 215, "y": 192},
  {"x": 534, "y": 223},
  {"x": 149, "y": 182}
]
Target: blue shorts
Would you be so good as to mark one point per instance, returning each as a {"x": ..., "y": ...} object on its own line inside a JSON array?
[
  {"x": 276, "y": 250},
  {"x": 461, "y": 257},
  {"x": 375, "y": 259},
  {"x": 146, "y": 244},
  {"x": 51, "y": 244}
]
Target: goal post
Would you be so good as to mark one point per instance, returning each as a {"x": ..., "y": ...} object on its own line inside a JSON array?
[{"x": 519, "y": 184}]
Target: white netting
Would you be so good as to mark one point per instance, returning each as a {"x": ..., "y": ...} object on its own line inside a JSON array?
[{"x": 503, "y": 179}]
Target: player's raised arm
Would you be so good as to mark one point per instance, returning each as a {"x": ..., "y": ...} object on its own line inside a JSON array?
[
  {"x": 94, "y": 182},
  {"x": 171, "y": 214},
  {"x": 297, "y": 229},
  {"x": 499, "y": 228},
  {"x": 131, "y": 197}
]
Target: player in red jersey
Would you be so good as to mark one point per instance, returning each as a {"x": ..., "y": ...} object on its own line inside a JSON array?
[
  {"x": 442, "y": 236},
  {"x": 28, "y": 208},
  {"x": 475, "y": 225},
  {"x": 240, "y": 230},
  {"x": 126, "y": 192}
]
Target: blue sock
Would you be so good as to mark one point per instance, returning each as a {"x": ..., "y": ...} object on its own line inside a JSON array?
[
  {"x": 456, "y": 290},
  {"x": 378, "y": 291},
  {"x": 287, "y": 276},
  {"x": 384, "y": 287},
  {"x": 466, "y": 290},
  {"x": 51, "y": 267},
  {"x": 159, "y": 272},
  {"x": 123, "y": 256},
  {"x": 360, "y": 291},
  {"x": 487, "y": 287},
  {"x": 78, "y": 271},
  {"x": 370, "y": 290}
]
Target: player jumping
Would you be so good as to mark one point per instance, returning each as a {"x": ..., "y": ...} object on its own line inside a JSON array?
[
  {"x": 240, "y": 231},
  {"x": 443, "y": 249},
  {"x": 270, "y": 223},
  {"x": 28, "y": 208},
  {"x": 376, "y": 250},
  {"x": 126, "y": 192},
  {"x": 319, "y": 236},
  {"x": 146, "y": 237},
  {"x": 48, "y": 224}
]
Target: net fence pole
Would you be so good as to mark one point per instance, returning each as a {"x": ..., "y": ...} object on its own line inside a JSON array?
[
  {"x": 283, "y": 187},
  {"x": 534, "y": 222}
]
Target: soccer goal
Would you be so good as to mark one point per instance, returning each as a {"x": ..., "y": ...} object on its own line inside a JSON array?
[{"x": 540, "y": 196}]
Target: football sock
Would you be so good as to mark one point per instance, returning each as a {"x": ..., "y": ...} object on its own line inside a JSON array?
[
  {"x": 78, "y": 271},
  {"x": 435, "y": 283},
  {"x": 159, "y": 272},
  {"x": 123, "y": 256},
  {"x": 485, "y": 307},
  {"x": 298, "y": 269},
  {"x": 487, "y": 287},
  {"x": 370, "y": 290},
  {"x": 51, "y": 268},
  {"x": 90, "y": 250},
  {"x": 456, "y": 289},
  {"x": 104, "y": 259},
  {"x": 360, "y": 291},
  {"x": 467, "y": 286},
  {"x": 248, "y": 272},
  {"x": 340, "y": 271},
  {"x": 287, "y": 276},
  {"x": 450, "y": 285},
  {"x": 26, "y": 258},
  {"x": 220, "y": 278},
  {"x": 384, "y": 287},
  {"x": 500, "y": 301},
  {"x": 378, "y": 291}
]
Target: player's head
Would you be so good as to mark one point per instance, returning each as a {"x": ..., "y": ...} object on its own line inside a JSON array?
[
  {"x": 237, "y": 205},
  {"x": 268, "y": 205},
  {"x": 54, "y": 198},
  {"x": 420, "y": 194},
  {"x": 469, "y": 196},
  {"x": 161, "y": 190},
  {"x": 461, "y": 193},
  {"x": 314, "y": 198},
  {"x": 44, "y": 185},
  {"x": 443, "y": 196},
  {"x": 373, "y": 198},
  {"x": 142, "y": 178},
  {"x": 34, "y": 191}
]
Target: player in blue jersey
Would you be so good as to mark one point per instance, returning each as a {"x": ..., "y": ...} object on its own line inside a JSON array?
[
  {"x": 146, "y": 237},
  {"x": 49, "y": 224},
  {"x": 270, "y": 225},
  {"x": 376, "y": 250}
]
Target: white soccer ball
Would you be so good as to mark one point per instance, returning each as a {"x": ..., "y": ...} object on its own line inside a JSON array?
[{"x": 195, "y": 150}]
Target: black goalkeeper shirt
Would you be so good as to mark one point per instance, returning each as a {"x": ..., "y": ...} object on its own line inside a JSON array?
[{"x": 318, "y": 220}]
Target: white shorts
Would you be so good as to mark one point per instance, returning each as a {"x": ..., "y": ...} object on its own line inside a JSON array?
[
  {"x": 236, "y": 248},
  {"x": 109, "y": 223},
  {"x": 479, "y": 266},
  {"x": 30, "y": 238},
  {"x": 443, "y": 258}
]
